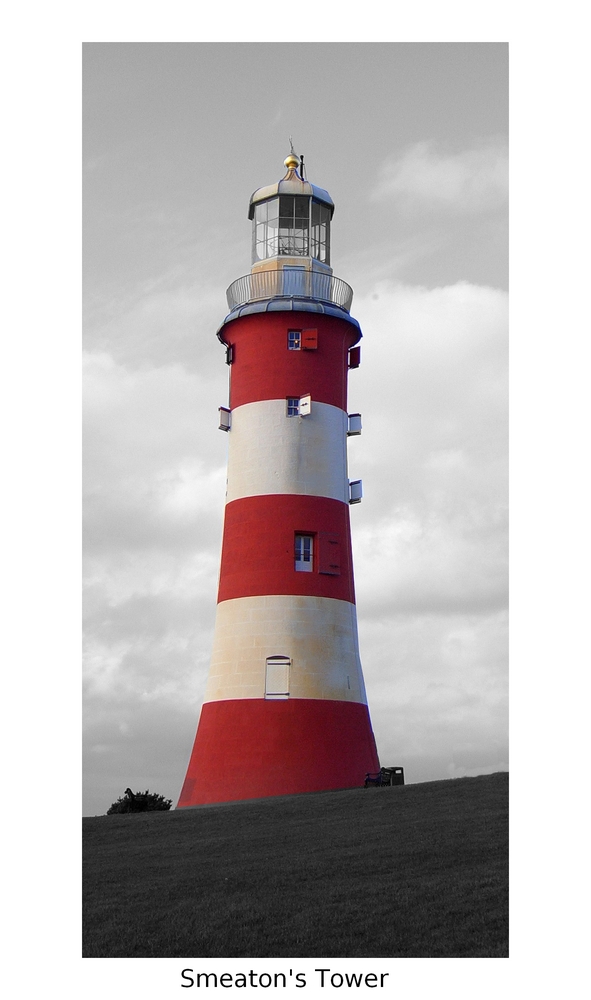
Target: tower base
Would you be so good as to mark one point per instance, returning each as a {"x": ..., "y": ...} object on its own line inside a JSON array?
[{"x": 255, "y": 748}]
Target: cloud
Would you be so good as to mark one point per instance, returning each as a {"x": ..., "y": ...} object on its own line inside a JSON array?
[
  {"x": 437, "y": 692},
  {"x": 433, "y": 453},
  {"x": 153, "y": 431},
  {"x": 430, "y": 537},
  {"x": 155, "y": 471},
  {"x": 157, "y": 326},
  {"x": 472, "y": 180},
  {"x": 144, "y": 744}
]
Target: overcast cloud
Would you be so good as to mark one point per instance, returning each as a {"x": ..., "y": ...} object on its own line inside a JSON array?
[
  {"x": 469, "y": 180},
  {"x": 420, "y": 233}
]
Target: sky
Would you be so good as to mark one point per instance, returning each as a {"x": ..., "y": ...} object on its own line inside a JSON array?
[{"x": 411, "y": 142}]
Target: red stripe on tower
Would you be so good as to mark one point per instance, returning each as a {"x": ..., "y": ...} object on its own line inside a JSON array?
[
  {"x": 258, "y": 550},
  {"x": 285, "y": 708}
]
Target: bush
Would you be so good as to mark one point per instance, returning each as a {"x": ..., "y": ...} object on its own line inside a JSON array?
[{"x": 136, "y": 802}]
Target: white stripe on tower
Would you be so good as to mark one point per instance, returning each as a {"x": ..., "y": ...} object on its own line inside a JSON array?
[
  {"x": 317, "y": 633},
  {"x": 272, "y": 453}
]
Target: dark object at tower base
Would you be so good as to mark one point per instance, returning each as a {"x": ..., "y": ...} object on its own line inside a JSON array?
[{"x": 385, "y": 776}]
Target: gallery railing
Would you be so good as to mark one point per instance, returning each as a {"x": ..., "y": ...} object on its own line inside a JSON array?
[{"x": 287, "y": 282}]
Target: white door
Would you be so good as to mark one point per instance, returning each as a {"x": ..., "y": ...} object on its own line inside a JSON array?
[{"x": 277, "y": 677}]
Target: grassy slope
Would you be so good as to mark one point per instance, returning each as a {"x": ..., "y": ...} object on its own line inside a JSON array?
[{"x": 414, "y": 871}]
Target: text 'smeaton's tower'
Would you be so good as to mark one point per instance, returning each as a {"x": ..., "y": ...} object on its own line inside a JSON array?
[{"x": 285, "y": 708}]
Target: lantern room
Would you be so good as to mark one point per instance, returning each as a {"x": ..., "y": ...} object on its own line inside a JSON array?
[{"x": 291, "y": 220}]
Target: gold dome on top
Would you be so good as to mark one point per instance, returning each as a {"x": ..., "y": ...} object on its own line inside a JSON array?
[{"x": 291, "y": 184}]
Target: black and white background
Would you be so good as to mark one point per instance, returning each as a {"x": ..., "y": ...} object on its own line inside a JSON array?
[{"x": 411, "y": 142}]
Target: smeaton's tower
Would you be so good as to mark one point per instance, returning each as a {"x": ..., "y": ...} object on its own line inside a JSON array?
[{"x": 285, "y": 708}]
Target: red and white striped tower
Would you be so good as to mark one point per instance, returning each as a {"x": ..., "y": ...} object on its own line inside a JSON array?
[{"x": 285, "y": 709}]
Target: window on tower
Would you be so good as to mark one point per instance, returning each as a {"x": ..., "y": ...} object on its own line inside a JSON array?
[
  {"x": 298, "y": 406},
  {"x": 302, "y": 340},
  {"x": 304, "y": 553}
]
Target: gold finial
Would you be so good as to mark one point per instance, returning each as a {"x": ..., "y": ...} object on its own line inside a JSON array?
[{"x": 292, "y": 161}]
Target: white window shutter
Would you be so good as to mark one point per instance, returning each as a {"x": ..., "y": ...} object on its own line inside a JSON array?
[
  {"x": 354, "y": 424},
  {"x": 355, "y": 491},
  {"x": 305, "y": 405}
]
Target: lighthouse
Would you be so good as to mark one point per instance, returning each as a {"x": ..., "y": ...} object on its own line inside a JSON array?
[{"x": 285, "y": 708}]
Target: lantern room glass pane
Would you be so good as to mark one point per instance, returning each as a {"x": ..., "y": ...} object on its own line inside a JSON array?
[
  {"x": 294, "y": 220},
  {"x": 320, "y": 232},
  {"x": 301, "y": 209},
  {"x": 273, "y": 227}
]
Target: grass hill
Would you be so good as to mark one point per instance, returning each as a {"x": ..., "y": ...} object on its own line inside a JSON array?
[{"x": 414, "y": 871}]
